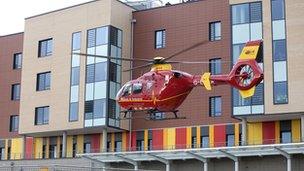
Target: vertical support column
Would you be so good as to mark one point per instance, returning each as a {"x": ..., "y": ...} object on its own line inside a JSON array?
[
  {"x": 206, "y": 166},
  {"x": 23, "y": 148},
  {"x": 104, "y": 140},
  {"x": 64, "y": 144},
  {"x": 168, "y": 167},
  {"x": 236, "y": 165},
  {"x": 289, "y": 164},
  {"x": 244, "y": 131},
  {"x": 136, "y": 167},
  {"x": 302, "y": 128}
]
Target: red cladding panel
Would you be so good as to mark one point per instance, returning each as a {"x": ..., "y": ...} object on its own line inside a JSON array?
[
  {"x": 157, "y": 139},
  {"x": 181, "y": 138},
  {"x": 133, "y": 140},
  {"x": 95, "y": 141},
  {"x": 29, "y": 147},
  {"x": 219, "y": 135},
  {"x": 268, "y": 132}
]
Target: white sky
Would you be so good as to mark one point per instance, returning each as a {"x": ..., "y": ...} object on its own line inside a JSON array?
[{"x": 13, "y": 12}]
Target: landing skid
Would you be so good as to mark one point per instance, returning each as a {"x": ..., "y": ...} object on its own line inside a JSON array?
[{"x": 152, "y": 115}]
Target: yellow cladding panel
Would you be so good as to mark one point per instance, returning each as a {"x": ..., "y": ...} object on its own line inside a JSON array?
[
  {"x": 124, "y": 141},
  {"x": 296, "y": 130},
  {"x": 189, "y": 135},
  {"x": 146, "y": 134},
  {"x": 38, "y": 143},
  {"x": 58, "y": 146},
  {"x": 255, "y": 133},
  {"x": 277, "y": 132},
  {"x": 198, "y": 136},
  {"x": 69, "y": 146},
  {"x": 47, "y": 149},
  {"x": 112, "y": 141},
  {"x": 80, "y": 144},
  {"x": 236, "y": 134},
  {"x": 6, "y": 149},
  {"x": 16, "y": 148},
  {"x": 249, "y": 52},
  {"x": 171, "y": 138},
  {"x": 165, "y": 138},
  {"x": 211, "y": 135}
]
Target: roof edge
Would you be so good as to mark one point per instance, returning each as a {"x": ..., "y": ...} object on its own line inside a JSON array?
[{"x": 12, "y": 34}]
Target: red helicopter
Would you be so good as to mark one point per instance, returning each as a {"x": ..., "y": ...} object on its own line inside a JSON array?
[{"x": 164, "y": 90}]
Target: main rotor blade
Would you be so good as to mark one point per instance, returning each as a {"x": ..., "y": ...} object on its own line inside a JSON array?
[
  {"x": 115, "y": 58},
  {"x": 138, "y": 67},
  {"x": 187, "y": 49},
  {"x": 195, "y": 62}
]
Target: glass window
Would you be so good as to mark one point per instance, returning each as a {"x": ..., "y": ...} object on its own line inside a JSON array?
[
  {"x": 14, "y": 123},
  {"x": 15, "y": 92},
  {"x": 193, "y": 142},
  {"x": 240, "y": 14},
  {"x": 137, "y": 88},
  {"x": 118, "y": 146},
  {"x": 240, "y": 33},
  {"x": 255, "y": 12},
  {"x": 119, "y": 39},
  {"x": 91, "y": 38},
  {"x": 215, "y": 106},
  {"x": 140, "y": 145},
  {"x": 112, "y": 109},
  {"x": 278, "y": 29},
  {"x": 160, "y": 39},
  {"x": 113, "y": 72},
  {"x": 101, "y": 71},
  {"x": 100, "y": 90},
  {"x": 101, "y": 36},
  {"x": 76, "y": 41},
  {"x": 45, "y": 47},
  {"x": 90, "y": 73},
  {"x": 99, "y": 108},
  {"x": 280, "y": 93},
  {"x": 258, "y": 97},
  {"x": 43, "y": 81},
  {"x": 238, "y": 100},
  {"x": 285, "y": 137},
  {"x": 75, "y": 76},
  {"x": 127, "y": 90},
  {"x": 76, "y": 60},
  {"x": 279, "y": 71},
  {"x": 205, "y": 141},
  {"x": 256, "y": 31},
  {"x": 278, "y": 9},
  {"x": 230, "y": 140},
  {"x": 237, "y": 50},
  {"x": 88, "y": 106},
  {"x": 87, "y": 147},
  {"x": 113, "y": 36},
  {"x": 279, "y": 50},
  {"x": 158, "y": 115},
  {"x": 89, "y": 93},
  {"x": 103, "y": 51},
  {"x": 74, "y": 93},
  {"x": 2, "y": 153},
  {"x": 42, "y": 115},
  {"x": 215, "y": 66},
  {"x": 73, "y": 112},
  {"x": 215, "y": 31},
  {"x": 17, "y": 61}
]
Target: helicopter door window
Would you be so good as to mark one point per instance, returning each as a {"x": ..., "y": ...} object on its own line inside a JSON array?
[
  {"x": 127, "y": 90},
  {"x": 137, "y": 88}
]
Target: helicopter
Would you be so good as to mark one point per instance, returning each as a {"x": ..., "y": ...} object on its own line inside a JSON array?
[{"x": 163, "y": 89}]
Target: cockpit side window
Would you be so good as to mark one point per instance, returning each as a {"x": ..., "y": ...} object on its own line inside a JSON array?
[
  {"x": 137, "y": 88},
  {"x": 127, "y": 90}
]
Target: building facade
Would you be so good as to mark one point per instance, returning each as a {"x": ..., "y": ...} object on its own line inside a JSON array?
[{"x": 67, "y": 102}]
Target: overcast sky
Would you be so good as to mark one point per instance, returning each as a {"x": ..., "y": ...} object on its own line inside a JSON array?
[{"x": 13, "y": 12}]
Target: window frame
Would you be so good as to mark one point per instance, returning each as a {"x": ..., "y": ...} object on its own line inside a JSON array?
[
  {"x": 213, "y": 62},
  {"x": 16, "y": 125},
  {"x": 212, "y": 27},
  {"x": 210, "y": 104},
  {"x": 17, "y": 66},
  {"x": 15, "y": 97},
  {"x": 163, "y": 39},
  {"x": 46, "y": 47},
  {"x": 38, "y": 80},
  {"x": 36, "y": 123}
]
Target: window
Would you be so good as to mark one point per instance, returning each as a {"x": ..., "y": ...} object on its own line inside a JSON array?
[
  {"x": 73, "y": 112},
  {"x": 45, "y": 47},
  {"x": 15, "y": 92},
  {"x": 230, "y": 140},
  {"x": 160, "y": 39},
  {"x": 158, "y": 115},
  {"x": 240, "y": 14},
  {"x": 279, "y": 50},
  {"x": 255, "y": 12},
  {"x": 42, "y": 115},
  {"x": 137, "y": 88},
  {"x": 17, "y": 61},
  {"x": 127, "y": 90},
  {"x": 285, "y": 137},
  {"x": 14, "y": 123},
  {"x": 113, "y": 72},
  {"x": 2, "y": 153},
  {"x": 278, "y": 9},
  {"x": 118, "y": 146},
  {"x": 53, "y": 151},
  {"x": 150, "y": 144},
  {"x": 87, "y": 147},
  {"x": 140, "y": 145},
  {"x": 75, "y": 76},
  {"x": 43, "y": 81},
  {"x": 205, "y": 141},
  {"x": 76, "y": 41},
  {"x": 215, "y": 106},
  {"x": 100, "y": 71},
  {"x": 215, "y": 31},
  {"x": 194, "y": 141},
  {"x": 112, "y": 109},
  {"x": 215, "y": 66},
  {"x": 280, "y": 92}
]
